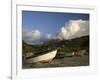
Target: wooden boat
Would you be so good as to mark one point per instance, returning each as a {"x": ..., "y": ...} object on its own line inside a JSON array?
[{"x": 44, "y": 56}]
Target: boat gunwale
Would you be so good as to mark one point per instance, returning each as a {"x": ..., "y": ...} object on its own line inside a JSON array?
[{"x": 40, "y": 53}]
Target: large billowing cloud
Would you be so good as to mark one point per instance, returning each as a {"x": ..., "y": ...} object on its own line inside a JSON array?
[
  {"x": 73, "y": 29},
  {"x": 31, "y": 35}
]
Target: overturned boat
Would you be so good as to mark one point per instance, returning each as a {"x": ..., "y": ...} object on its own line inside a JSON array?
[{"x": 44, "y": 56}]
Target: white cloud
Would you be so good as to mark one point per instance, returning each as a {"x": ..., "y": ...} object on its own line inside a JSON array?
[
  {"x": 73, "y": 29},
  {"x": 48, "y": 36},
  {"x": 31, "y": 35}
]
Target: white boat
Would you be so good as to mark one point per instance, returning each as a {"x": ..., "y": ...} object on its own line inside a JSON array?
[{"x": 42, "y": 57}]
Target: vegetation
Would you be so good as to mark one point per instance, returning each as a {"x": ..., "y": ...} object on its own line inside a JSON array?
[{"x": 61, "y": 45}]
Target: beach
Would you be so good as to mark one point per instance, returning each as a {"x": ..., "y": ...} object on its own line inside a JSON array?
[{"x": 69, "y": 61}]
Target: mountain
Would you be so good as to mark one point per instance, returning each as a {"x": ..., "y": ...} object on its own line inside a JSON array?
[
  {"x": 74, "y": 44},
  {"x": 61, "y": 45}
]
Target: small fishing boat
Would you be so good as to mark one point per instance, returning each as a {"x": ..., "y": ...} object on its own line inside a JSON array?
[{"x": 44, "y": 56}]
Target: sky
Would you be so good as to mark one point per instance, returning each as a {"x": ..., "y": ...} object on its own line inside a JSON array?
[{"x": 35, "y": 23}]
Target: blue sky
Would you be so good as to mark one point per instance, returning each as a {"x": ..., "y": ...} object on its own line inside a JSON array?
[
  {"x": 48, "y": 22},
  {"x": 52, "y": 25}
]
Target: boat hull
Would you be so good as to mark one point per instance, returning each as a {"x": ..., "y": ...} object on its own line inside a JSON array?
[{"x": 43, "y": 58}]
